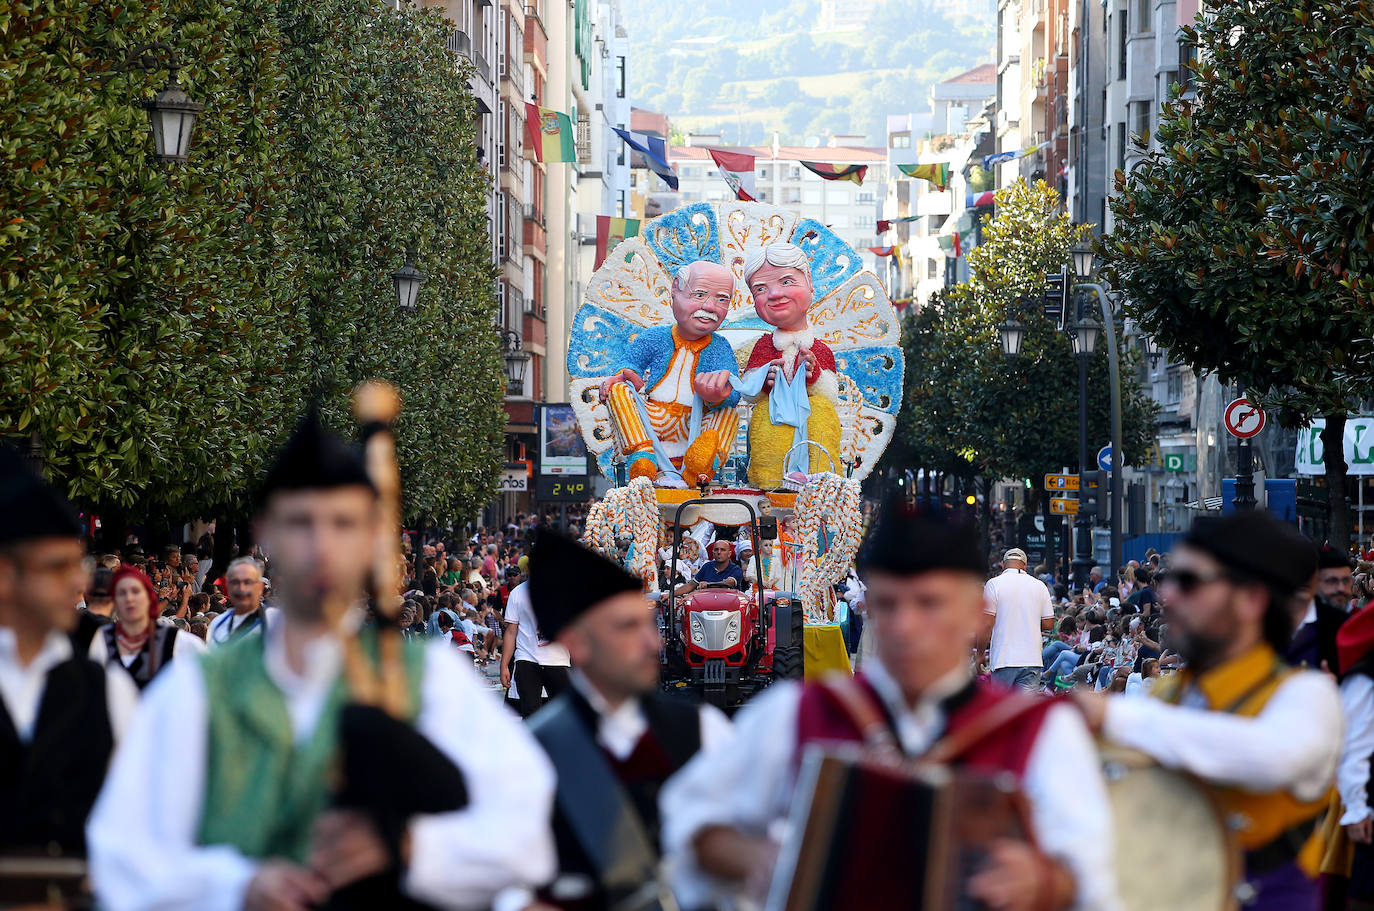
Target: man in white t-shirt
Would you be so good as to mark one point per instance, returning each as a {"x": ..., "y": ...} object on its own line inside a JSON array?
[
  {"x": 1017, "y": 608},
  {"x": 535, "y": 664}
]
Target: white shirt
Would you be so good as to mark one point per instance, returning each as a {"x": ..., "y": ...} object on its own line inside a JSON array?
[
  {"x": 458, "y": 860},
  {"x": 222, "y": 628},
  {"x": 1291, "y": 745},
  {"x": 528, "y": 645},
  {"x": 1352, "y": 776},
  {"x": 748, "y": 782},
  {"x": 618, "y": 731},
  {"x": 1019, "y": 601},
  {"x": 22, "y": 686}
]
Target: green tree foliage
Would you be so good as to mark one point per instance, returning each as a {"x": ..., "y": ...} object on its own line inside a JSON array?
[
  {"x": 163, "y": 324},
  {"x": 968, "y": 410},
  {"x": 1244, "y": 242}
]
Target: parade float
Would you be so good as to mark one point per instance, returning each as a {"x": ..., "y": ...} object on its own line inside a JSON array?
[{"x": 737, "y": 371}]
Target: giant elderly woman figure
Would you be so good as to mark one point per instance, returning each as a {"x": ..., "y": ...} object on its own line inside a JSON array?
[{"x": 779, "y": 279}]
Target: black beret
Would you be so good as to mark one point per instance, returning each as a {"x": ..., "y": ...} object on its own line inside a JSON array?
[
  {"x": 567, "y": 580},
  {"x": 314, "y": 459},
  {"x": 1255, "y": 545},
  {"x": 906, "y": 540},
  {"x": 30, "y": 507}
]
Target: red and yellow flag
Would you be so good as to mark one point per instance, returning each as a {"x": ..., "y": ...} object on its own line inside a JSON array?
[
  {"x": 851, "y": 172},
  {"x": 611, "y": 231},
  {"x": 549, "y": 134},
  {"x": 937, "y": 173}
]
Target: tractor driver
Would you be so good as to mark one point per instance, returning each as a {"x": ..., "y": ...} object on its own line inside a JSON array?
[{"x": 721, "y": 570}]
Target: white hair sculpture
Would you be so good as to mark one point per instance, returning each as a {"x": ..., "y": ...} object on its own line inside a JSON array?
[{"x": 782, "y": 255}]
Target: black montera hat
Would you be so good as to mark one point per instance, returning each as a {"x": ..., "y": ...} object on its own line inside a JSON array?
[
  {"x": 567, "y": 580},
  {"x": 30, "y": 507},
  {"x": 907, "y": 540},
  {"x": 313, "y": 459},
  {"x": 1331, "y": 558},
  {"x": 1255, "y": 545}
]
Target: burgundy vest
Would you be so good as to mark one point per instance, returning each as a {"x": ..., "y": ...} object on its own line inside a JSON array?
[{"x": 822, "y": 719}]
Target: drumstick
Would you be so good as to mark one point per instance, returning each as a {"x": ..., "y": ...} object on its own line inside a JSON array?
[{"x": 376, "y": 404}]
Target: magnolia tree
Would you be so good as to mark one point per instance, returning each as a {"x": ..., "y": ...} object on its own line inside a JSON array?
[
  {"x": 163, "y": 325},
  {"x": 1243, "y": 242}
]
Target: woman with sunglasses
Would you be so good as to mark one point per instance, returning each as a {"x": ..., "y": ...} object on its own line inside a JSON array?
[{"x": 136, "y": 641}]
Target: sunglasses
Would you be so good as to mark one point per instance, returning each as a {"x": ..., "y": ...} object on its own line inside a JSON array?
[{"x": 1188, "y": 581}]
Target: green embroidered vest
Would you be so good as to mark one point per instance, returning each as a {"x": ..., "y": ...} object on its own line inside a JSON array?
[{"x": 263, "y": 790}]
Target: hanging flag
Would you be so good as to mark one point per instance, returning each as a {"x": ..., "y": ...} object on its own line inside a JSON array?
[
  {"x": 655, "y": 152},
  {"x": 738, "y": 170},
  {"x": 989, "y": 161},
  {"x": 901, "y": 303},
  {"x": 883, "y": 225},
  {"x": 936, "y": 172},
  {"x": 950, "y": 243},
  {"x": 550, "y": 134},
  {"x": 610, "y": 231},
  {"x": 851, "y": 172},
  {"x": 974, "y": 200},
  {"x": 881, "y": 251},
  {"x": 905, "y": 218}
]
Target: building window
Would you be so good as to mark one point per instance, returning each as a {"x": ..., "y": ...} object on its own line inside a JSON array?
[
  {"x": 901, "y": 141},
  {"x": 763, "y": 196},
  {"x": 1121, "y": 146},
  {"x": 1187, "y": 53},
  {"x": 763, "y": 173},
  {"x": 620, "y": 146},
  {"x": 620, "y": 77},
  {"x": 793, "y": 195},
  {"x": 794, "y": 172},
  {"x": 867, "y": 196},
  {"x": 1143, "y": 18},
  {"x": 932, "y": 269},
  {"x": 1141, "y": 118},
  {"x": 1121, "y": 49},
  {"x": 620, "y": 204},
  {"x": 864, "y": 221}
]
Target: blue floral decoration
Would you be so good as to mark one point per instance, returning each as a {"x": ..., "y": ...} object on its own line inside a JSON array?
[
  {"x": 684, "y": 236},
  {"x": 832, "y": 260},
  {"x": 877, "y": 371},
  {"x": 598, "y": 341}
]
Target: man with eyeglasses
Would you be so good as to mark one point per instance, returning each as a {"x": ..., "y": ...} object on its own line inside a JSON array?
[{"x": 1263, "y": 735}]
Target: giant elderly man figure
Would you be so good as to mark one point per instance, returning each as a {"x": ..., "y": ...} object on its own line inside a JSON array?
[
  {"x": 779, "y": 279},
  {"x": 673, "y": 366}
]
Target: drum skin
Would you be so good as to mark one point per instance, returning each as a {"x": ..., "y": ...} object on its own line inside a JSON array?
[{"x": 1173, "y": 850}]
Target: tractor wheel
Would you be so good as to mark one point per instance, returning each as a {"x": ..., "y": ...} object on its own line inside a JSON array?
[{"x": 789, "y": 660}]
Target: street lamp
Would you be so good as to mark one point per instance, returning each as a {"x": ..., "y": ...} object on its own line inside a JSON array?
[
  {"x": 1013, "y": 333},
  {"x": 1150, "y": 350},
  {"x": 1085, "y": 333},
  {"x": 517, "y": 359},
  {"x": 1083, "y": 260},
  {"x": 407, "y": 281},
  {"x": 171, "y": 113}
]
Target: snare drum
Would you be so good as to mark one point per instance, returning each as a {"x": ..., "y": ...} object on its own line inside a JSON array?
[{"x": 1173, "y": 849}]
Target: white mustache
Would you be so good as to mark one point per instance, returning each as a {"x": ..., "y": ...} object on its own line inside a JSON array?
[{"x": 705, "y": 314}]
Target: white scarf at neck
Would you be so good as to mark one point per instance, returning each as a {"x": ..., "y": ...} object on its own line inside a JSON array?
[{"x": 790, "y": 344}]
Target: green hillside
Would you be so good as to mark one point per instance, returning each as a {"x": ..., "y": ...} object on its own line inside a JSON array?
[{"x": 745, "y": 69}]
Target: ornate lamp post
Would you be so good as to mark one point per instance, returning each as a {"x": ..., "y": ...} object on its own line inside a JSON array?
[{"x": 407, "y": 281}]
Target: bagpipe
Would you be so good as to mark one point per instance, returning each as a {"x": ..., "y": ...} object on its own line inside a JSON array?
[{"x": 381, "y": 755}]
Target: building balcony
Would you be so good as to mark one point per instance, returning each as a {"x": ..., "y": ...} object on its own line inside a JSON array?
[
  {"x": 535, "y": 237},
  {"x": 459, "y": 43},
  {"x": 483, "y": 67}
]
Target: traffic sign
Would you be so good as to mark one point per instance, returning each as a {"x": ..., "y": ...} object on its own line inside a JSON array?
[
  {"x": 1104, "y": 457},
  {"x": 1063, "y": 506},
  {"x": 1061, "y": 482},
  {"x": 1244, "y": 418}
]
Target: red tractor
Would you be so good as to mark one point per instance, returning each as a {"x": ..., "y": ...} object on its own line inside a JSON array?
[{"x": 729, "y": 643}]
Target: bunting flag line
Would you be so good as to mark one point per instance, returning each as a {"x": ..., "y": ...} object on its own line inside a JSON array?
[
  {"x": 611, "y": 231},
  {"x": 738, "y": 170},
  {"x": 989, "y": 161},
  {"x": 550, "y": 134},
  {"x": 936, "y": 172},
  {"x": 881, "y": 251},
  {"x": 852, "y": 172},
  {"x": 655, "y": 153},
  {"x": 883, "y": 225},
  {"x": 974, "y": 200},
  {"x": 951, "y": 244},
  {"x": 901, "y": 303}
]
